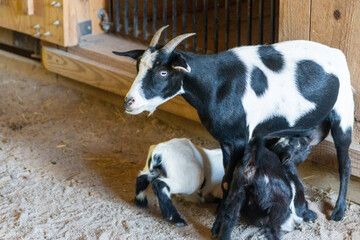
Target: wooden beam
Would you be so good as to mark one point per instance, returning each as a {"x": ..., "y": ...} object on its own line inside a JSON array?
[
  {"x": 6, "y": 37},
  {"x": 294, "y": 20}
]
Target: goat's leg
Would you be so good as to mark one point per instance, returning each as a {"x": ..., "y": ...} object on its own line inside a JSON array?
[
  {"x": 236, "y": 154},
  {"x": 272, "y": 233},
  {"x": 168, "y": 210},
  {"x": 228, "y": 214},
  {"x": 278, "y": 215},
  {"x": 301, "y": 205},
  {"x": 342, "y": 140},
  {"x": 142, "y": 183}
]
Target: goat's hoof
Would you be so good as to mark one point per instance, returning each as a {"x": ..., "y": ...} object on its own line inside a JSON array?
[
  {"x": 309, "y": 216},
  {"x": 179, "y": 222},
  {"x": 215, "y": 230},
  {"x": 337, "y": 214},
  {"x": 141, "y": 203}
]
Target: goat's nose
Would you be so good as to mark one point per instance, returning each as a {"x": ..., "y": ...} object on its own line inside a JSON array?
[{"x": 128, "y": 101}]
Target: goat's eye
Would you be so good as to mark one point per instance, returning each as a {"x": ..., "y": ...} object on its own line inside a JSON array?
[{"x": 163, "y": 73}]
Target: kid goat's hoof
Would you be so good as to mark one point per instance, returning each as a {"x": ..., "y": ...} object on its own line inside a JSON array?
[
  {"x": 309, "y": 216},
  {"x": 141, "y": 203},
  {"x": 179, "y": 222}
]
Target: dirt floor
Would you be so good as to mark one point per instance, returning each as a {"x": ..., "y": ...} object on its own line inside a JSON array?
[{"x": 68, "y": 163}]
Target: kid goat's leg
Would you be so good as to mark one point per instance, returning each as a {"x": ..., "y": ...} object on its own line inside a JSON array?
[
  {"x": 228, "y": 214},
  {"x": 142, "y": 183},
  {"x": 168, "y": 210}
]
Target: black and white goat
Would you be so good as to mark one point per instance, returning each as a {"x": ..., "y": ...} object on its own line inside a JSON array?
[
  {"x": 269, "y": 193},
  {"x": 251, "y": 90},
  {"x": 180, "y": 167}
]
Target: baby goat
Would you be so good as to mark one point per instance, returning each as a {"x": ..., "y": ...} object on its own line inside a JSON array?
[
  {"x": 296, "y": 149},
  {"x": 179, "y": 166},
  {"x": 270, "y": 193}
]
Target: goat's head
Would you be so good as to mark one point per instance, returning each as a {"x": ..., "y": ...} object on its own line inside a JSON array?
[
  {"x": 296, "y": 149},
  {"x": 160, "y": 73}
]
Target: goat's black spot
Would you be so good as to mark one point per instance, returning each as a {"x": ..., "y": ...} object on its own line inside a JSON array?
[
  {"x": 259, "y": 81},
  {"x": 156, "y": 163},
  {"x": 271, "y": 125},
  {"x": 319, "y": 87},
  {"x": 223, "y": 90},
  {"x": 156, "y": 160},
  {"x": 232, "y": 78},
  {"x": 271, "y": 58}
]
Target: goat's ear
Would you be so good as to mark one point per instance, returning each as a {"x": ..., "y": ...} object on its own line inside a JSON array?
[
  {"x": 134, "y": 54},
  {"x": 180, "y": 64}
]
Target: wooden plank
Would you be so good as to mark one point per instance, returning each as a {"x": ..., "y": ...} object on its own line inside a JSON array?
[
  {"x": 325, "y": 154},
  {"x": 115, "y": 80},
  {"x": 6, "y": 37},
  {"x": 294, "y": 19},
  {"x": 27, "y": 7},
  {"x": 327, "y": 179},
  {"x": 336, "y": 23}
]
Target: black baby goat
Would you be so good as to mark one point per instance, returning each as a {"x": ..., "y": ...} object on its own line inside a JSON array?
[{"x": 270, "y": 193}]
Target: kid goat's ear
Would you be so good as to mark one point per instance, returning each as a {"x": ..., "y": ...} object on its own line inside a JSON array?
[
  {"x": 180, "y": 64},
  {"x": 134, "y": 54}
]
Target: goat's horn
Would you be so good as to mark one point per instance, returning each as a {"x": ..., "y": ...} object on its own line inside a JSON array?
[
  {"x": 170, "y": 46},
  {"x": 157, "y": 35}
]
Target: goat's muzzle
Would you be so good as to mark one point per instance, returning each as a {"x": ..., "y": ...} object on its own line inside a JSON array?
[{"x": 128, "y": 102}]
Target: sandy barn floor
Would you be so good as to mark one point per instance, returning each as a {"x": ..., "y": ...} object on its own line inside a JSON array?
[{"x": 68, "y": 163}]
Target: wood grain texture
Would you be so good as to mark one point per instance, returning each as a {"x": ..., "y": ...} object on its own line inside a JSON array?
[
  {"x": 6, "y": 37},
  {"x": 68, "y": 15},
  {"x": 27, "y": 6},
  {"x": 341, "y": 32},
  {"x": 115, "y": 80},
  {"x": 294, "y": 20},
  {"x": 325, "y": 154},
  {"x": 327, "y": 179},
  {"x": 94, "y": 6}
]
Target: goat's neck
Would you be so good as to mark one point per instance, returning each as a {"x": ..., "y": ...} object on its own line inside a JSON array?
[{"x": 200, "y": 83}]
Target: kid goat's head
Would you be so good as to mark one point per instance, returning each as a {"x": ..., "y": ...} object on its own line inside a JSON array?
[{"x": 160, "y": 74}]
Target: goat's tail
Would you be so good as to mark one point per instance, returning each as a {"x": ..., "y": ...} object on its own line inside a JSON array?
[
  {"x": 254, "y": 151},
  {"x": 291, "y": 132}
]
